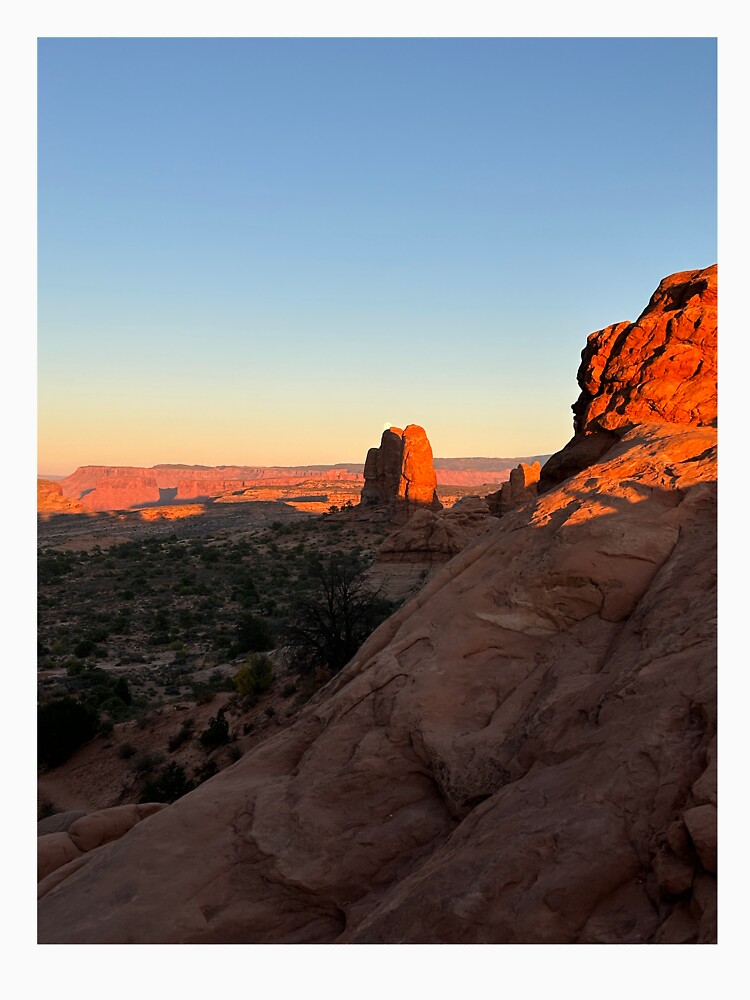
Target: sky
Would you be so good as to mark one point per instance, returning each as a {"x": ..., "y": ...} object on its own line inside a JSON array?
[
  {"x": 208, "y": 222},
  {"x": 263, "y": 250}
]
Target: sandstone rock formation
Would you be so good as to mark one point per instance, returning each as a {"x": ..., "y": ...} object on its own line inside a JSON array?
[
  {"x": 432, "y": 538},
  {"x": 520, "y": 489},
  {"x": 660, "y": 368},
  {"x": 104, "y": 487},
  {"x": 74, "y": 834},
  {"x": 50, "y": 499},
  {"x": 400, "y": 473},
  {"x": 93, "y": 488},
  {"x": 524, "y": 753}
]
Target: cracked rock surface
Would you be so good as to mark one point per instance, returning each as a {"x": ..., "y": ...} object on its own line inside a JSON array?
[{"x": 523, "y": 753}]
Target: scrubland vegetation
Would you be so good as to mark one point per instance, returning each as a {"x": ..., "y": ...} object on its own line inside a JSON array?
[{"x": 264, "y": 619}]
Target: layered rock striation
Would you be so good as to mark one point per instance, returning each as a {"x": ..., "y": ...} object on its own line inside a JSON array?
[
  {"x": 400, "y": 473},
  {"x": 524, "y": 753},
  {"x": 112, "y": 487}
]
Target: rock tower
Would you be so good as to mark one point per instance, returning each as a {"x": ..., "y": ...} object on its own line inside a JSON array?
[{"x": 400, "y": 473}]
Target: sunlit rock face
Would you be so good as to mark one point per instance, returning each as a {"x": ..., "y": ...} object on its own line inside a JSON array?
[
  {"x": 400, "y": 473},
  {"x": 112, "y": 487},
  {"x": 524, "y": 753},
  {"x": 520, "y": 489},
  {"x": 662, "y": 368},
  {"x": 50, "y": 499}
]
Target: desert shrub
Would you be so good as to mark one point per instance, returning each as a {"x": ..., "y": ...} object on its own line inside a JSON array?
[
  {"x": 84, "y": 648},
  {"x": 252, "y": 635},
  {"x": 209, "y": 769},
  {"x": 125, "y": 751},
  {"x": 146, "y": 761},
  {"x": 255, "y": 676},
  {"x": 63, "y": 725},
  {"x": 122, "y": 691},
  {"x": 331, "y": 622},
  {"x": 171, "y": 784},
  {"x": 234, "y": 753},
  {"x": 216, "y": 732},
  {"x": 220, "y": 681},
  {"x": 245, "y": 591},
  {"x": 115, "y": 708},
  {"x": 52, "y": 565},
  {"x": 202, "y": 693},
  {"x": 121, "y": 623},
  {"x": 289, "y": 689},
  {"x": 182, "y": 735}
]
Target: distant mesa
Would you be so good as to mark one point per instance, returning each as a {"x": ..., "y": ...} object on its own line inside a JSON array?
[
  {"x": 106, "y": 487},
  {"x": 98, "y": 488},
  {"x": 400, "y": 474},
  {"x": 660, "y": 369}
]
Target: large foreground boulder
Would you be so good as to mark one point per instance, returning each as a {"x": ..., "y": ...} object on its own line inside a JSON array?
[
  {"x": 515, "y": 756},
  {"x": 523, "y": 753}
]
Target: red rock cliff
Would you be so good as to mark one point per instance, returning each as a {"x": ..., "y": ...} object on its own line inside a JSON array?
[{"x": 660, "y": 369}]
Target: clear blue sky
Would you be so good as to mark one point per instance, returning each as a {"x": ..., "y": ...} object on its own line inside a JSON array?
[{"x": 262, "y": 250}]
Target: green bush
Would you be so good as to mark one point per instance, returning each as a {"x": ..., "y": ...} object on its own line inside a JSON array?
[
  {"x": 209, "y": 769},
  {"x": 84, "y": 648},
  {"x": 255, "y": 676},
  {"x": 252, "y": 635},
  {"x": 171, "y": 784},
  {"x": 216, "y": 733},
  {"x": 146, "y": 761},
  {"x": 122, "y": 691},
  {"x": 114, "y": 707},
  {"x": 63, "y": 725}
]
